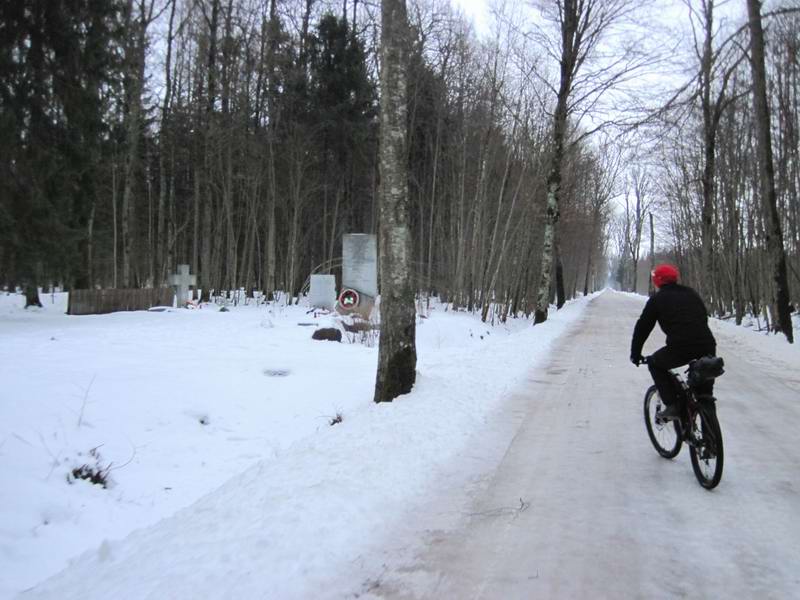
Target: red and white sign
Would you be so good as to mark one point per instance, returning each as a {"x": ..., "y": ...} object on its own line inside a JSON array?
[{"x": 348, "y": 299}]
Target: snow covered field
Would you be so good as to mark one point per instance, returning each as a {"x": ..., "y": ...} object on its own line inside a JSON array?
[{"x": 177, "y": 404}]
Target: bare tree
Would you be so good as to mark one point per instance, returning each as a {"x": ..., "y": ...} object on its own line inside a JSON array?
[
  {"x": 582, "y": 25},
  {"x": 774, "y": 233},
  {"x": 397, "y": 353},
  {"x": 650, "y": 288},
  {"x": 636, "y": 210},
  {"x": 715, "y": 64}
]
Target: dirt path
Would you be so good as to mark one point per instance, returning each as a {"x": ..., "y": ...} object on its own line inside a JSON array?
[{"x": 581, "y": 506}]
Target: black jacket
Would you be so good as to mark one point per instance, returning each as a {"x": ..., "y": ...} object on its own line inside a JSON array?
[{"x": 680, "y": 312}]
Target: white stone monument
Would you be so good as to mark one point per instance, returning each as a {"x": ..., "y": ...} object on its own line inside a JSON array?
[
  {"x": 359, "y": 273},
  {"x": 181, "y": 281},
  {"x": 360, "y": 263},
  {"x": 322, "y": 293}
]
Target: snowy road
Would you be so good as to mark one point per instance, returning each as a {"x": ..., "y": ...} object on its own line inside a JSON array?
[{"x": 581, "y": 505}]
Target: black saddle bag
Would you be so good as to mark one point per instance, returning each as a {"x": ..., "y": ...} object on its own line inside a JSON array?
[{"x": 705, "y": 369}]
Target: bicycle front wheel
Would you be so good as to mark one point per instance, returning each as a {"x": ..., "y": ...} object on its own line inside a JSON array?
[
  {"x": 664, "y": 434},
  {"x": 706, "y": 452}
]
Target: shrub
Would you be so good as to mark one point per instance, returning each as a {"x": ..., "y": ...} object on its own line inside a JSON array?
[{"x": 95, "y": 473}]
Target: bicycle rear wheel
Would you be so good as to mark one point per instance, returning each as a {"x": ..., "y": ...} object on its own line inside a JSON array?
[
  {"x": 664, "y": 434},
  {"x": 706, "y": 453}
]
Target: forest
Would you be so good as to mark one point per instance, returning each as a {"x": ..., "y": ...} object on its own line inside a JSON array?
[{"x": 567, "y": 145}]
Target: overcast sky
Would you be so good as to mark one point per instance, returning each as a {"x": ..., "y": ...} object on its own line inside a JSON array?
[
  {"x": 476, "y": 11},
  {"x": 669, "y": 10}
]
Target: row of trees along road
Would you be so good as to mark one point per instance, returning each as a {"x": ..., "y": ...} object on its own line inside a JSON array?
[
  {"x": 721, "y": 165},
  {"x": 242, "y": 137}
]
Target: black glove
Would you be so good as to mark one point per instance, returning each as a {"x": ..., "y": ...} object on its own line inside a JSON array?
[{"x": 637, "y": 359}]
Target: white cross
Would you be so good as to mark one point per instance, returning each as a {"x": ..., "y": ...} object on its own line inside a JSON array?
[{"x": 182, "y": 280}]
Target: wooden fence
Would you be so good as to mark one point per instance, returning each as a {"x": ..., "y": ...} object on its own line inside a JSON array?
[{"x": 98, "y": 302}]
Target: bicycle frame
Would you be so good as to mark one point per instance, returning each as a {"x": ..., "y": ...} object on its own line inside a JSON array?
[
  {"x": 697, "y": 425},
  {"x": 691, "y": 404}
]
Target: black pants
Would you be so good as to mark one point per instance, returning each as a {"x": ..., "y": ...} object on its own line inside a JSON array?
[{"x": 670, "y": 358}]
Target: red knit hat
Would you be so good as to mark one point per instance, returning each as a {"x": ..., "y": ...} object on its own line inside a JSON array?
[{"x": 664, "y": 274}]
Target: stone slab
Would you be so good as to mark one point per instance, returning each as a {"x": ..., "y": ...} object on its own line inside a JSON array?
[
  {"x": 360, "y": 263},
  {"x": 322, "y": 293}
]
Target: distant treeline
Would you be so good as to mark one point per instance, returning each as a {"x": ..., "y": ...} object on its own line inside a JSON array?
[{"x": 241, "y": 137}]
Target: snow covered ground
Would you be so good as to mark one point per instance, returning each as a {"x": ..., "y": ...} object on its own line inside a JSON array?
[
  {"x": 228, "y": 480},
  {"x": 214, "y": 431}
]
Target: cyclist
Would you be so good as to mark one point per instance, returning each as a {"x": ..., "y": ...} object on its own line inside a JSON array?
[{"x": 682, "y": 316}]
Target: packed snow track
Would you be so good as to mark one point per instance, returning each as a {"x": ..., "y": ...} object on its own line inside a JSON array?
[{"x": 581, "y": 506}]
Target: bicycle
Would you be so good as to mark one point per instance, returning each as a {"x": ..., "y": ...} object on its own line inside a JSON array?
[{"x": 697, "y": 425}]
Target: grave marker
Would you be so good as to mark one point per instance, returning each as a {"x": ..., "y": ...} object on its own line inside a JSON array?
[
  {"x": 181, "y": 281},
  {"x": 360, "y": 263},
  {"x": 359, "y": 273},
  {"x": 323, "y": 292}
]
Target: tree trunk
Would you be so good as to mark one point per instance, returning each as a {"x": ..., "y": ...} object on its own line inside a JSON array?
[
  {"x": 650, "y": 288},
  {"x": 207, "y": 271},
  {"x": 270, "y": 250},
  {"x": 334, "y": 222},
  {"x": 114, "y": 218},
  {"x": 397, "y": 354},
  {"x": 772, "y": 224},
  {"x": 709, "y": 156},
  {"x": 429, "y": 278},
  {"x": 590, "y": 253},
  {"x": 551, "y": 216},
  {"x": 32, "y": 296},
  {"x": 461, "y": 226},
  {"x": 569, "y": 48},
  {"x": 196, "y": 227},
  {"x": 231, "y": 241},
  {"x": 90, "y": 246},
  {"x": 135, "y": 64},
  {"x": 559, "y": 266},
  {"x": 161, "y": 234}
]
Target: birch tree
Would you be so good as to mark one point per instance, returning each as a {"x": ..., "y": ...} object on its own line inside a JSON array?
[
  {"x": 582, "y": 25},
  {"x": 397, "y": 353}
]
